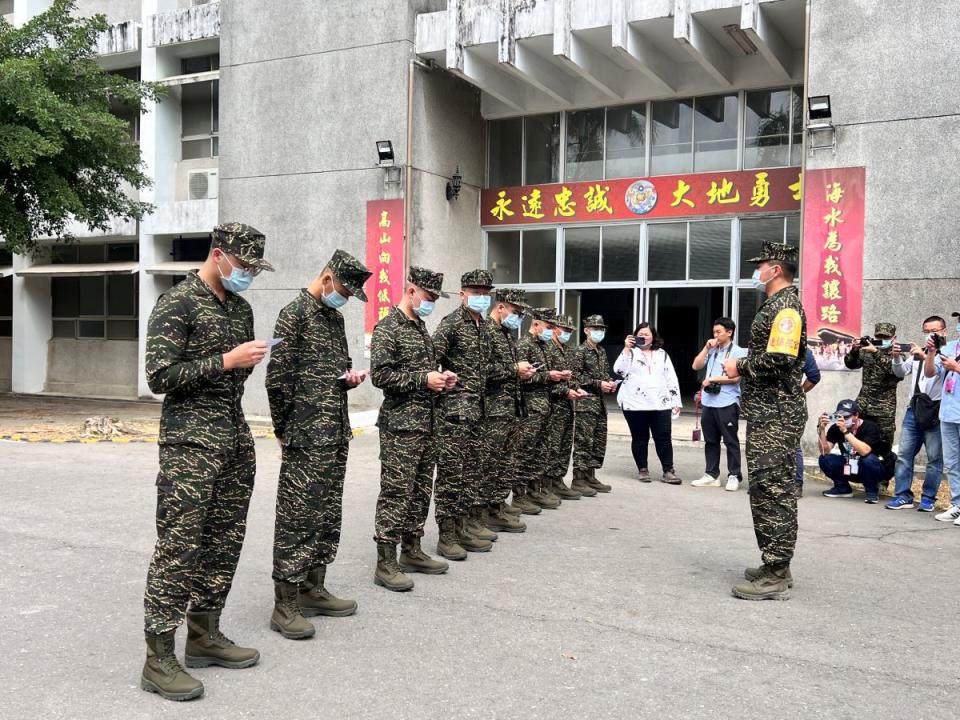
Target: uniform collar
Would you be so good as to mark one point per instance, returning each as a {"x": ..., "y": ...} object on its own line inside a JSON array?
[
  {"x": 402, "y": 317},
  {"x": 316, "y": 305},
  {"x": 200, "y": 288}
]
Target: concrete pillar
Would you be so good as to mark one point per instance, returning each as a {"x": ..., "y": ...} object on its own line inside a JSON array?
[{"x": 31, "y": 330}]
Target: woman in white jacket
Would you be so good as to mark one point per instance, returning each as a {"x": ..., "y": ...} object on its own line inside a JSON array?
[{"x": 648, "y": 396}]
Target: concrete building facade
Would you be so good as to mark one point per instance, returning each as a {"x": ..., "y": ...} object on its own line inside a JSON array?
[{"x": 519, "y": 95}]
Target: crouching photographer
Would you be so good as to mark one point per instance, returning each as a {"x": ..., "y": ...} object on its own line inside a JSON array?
[{"x": 863, "y": 452}]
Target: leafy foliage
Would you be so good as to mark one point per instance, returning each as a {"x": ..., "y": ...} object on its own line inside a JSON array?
[{"x": 63, "y": 155}]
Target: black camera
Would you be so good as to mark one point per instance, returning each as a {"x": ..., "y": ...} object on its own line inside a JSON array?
[
  {"x": 938, "y": 340},
  {"x": 712, "y": 389},
  {"x": 867, "y": 340}
]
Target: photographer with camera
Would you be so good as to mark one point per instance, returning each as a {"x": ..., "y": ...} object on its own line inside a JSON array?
[
  {"x": 862, "y": 449},
  {"x": 883, "y": 368},
  {"x": 944, "y": 363},
  {"x": 921, "y": 423},
  {"x": 720, "y": 399}
]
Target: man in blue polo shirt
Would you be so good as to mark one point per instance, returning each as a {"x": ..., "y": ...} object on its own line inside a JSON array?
[
  {"x": 720, "y": 398},
  {"x": 946, "y": 366}
]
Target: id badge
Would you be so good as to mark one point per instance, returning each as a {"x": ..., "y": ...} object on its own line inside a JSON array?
[
  {"x": 950, "y": 384},
  {"x": 846, "y": 469},
  {"x": 854, "y": 465}
]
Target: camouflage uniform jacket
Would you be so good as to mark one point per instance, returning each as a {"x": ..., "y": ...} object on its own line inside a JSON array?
[
  {"x": 189, "y": 331},
  {"x": 463, "y": 347},
  {"x": 560, "y": 358},
  {"x": 878, "y": 389},
  {"x": 504, "y": 396},
  {"x": 537, "y": 388},
  {"x": 773, "y": 369},
  {"x": 308, "y": 401},
  {"x": 590, "y": 368},
  {"x": 401, "y": 356}
]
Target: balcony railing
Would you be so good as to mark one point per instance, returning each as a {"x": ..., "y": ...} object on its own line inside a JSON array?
[{"x": 178, "y": 26}]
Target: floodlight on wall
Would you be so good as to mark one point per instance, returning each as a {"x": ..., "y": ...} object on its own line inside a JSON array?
[
  {"x": 384, "y": 153},
  {"x": 453, "y": 187},
  {"x": 821, "y": 132},
  {"x": 741, "y": 39}
]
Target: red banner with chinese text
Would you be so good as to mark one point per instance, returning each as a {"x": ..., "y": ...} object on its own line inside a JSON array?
[
  {"x": 667, "y": 196},
  {"x": 832, "y": 270},
  {"x": 384, "y": 260}
]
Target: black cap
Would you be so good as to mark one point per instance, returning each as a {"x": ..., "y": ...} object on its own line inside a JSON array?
[{"x": 848, "y": 407}]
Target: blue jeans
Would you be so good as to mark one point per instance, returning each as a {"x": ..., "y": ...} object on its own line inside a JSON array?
[
  {"x": 911, "y": 440},
  {"x": 800, "y": 466},
  {"x": 950, "y": 434},
  {"x": 870, "y": 472}
]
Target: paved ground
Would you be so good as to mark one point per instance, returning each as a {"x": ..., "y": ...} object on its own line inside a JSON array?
[{"x": 611, "y": 607}]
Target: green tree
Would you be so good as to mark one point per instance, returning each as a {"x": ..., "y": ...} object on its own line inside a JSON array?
[{"x": 63, "y": 155}]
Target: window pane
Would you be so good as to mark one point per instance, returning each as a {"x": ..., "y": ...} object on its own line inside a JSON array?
[
  {"x": 193, "y": 149},
  {"x": 767, "y": 128},
  {"x": 715, "y": 132},
  {"x": 621, "y": 252},
  {"x": 667, "y": 256},
  {"x": 90, "y": 328},
  {"x": 539, "y": 256},
  {"x": 672, "y": 150},
  {"x": 710, "y": 250},
  {"x": 505, "y": 152},
  {"x": 63, "y": 254},
  {"x": 121, "y": 252},
  {"x": 503, "y": 257},
  {"x": 122, "y": 295},
  {"x": 6, "y": 297},
  {"x": 584, "y": 145},
  {"x": 121, "y": 329},
  {"x": 752, "y": 234},
  {"x": 215, "y": 105},
  {"x": 626, "y": 146},
  {"x": 65, "y": 299},
  {"x": 195, "y": 105},
  {"x": 6, "y": 328},
  {"x": 64, "y": 328},
  {"x": 581, "y": 262},
  {"x": 191, "y": 248},
  {"x": 90, "y": 253},
  {"x": 90, "y": 290},
  {"x": 796, "y": 146},
  {"x": 749, "y": 304},
  {"x": 542, "y": 138}
]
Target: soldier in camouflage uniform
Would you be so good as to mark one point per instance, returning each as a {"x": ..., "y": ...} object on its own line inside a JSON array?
[
  {"x": 200, "y": 351},
  {"x": 505, "y": 406},
  {"x": 882, "y": 370},
  {"x": 529, "y": 486},
  {"x": 591, "y": 372},
  {"x": 462, "y": 346},
  {"x": 775, "y": 409},
  {"x": 403, "y": 364},
  {"x": 308, "y": 377},
  {"x": 563, "y": 394}
]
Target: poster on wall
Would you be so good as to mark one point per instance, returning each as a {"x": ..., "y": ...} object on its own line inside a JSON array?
[
  {"x": 832, "y": 271},
  {"x": 385, "y": 261}
]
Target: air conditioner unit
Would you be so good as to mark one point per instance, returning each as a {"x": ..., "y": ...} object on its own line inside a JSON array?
[{"x": 203, "y": 184}]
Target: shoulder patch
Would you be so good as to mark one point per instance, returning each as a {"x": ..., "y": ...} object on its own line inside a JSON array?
[{"x": 785, "y": 333}]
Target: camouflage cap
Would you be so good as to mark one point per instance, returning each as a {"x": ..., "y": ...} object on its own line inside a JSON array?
[
  {"x": 884, "y": 328},
  {"x": 594, "y": 321},
  {"x": 429, "y": 280},
  {"x": 546, "y": 314},
  {"x": 476, "y": 279},
  {"x": 775, "y": 251},
  {"x": 514, "y": 296},
  {"x": 351, "y": 273},
  {"x": 243, "y": 242},
  {"x": 566, "y": 322}
]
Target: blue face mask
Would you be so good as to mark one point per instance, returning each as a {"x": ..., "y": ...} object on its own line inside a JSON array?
[
  {"x": 597, "y": 335},
  {"x": 240, "y": 279},
  {"x": 758, "y": 284},
  {"x": 884, "y": 344},
  {"x": 424, "y": 308},
  {"x": 546, "y": 334},
  {"x": 511, "y": 321},
  {"x": 478, "y": 303},
  {"x": 334, "y": 300},
  {"x": 564, "y": 337}
]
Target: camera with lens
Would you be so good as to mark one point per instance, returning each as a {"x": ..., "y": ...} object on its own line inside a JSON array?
[
  {"x": 938, "y": 341},
  {"x": 832, "y": 417},
  {"x": 712, "y": 389},
  {"x": 867, "y": 340}
]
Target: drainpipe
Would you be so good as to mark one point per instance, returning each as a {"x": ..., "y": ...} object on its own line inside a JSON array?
[{"x": 803, "y": 121}]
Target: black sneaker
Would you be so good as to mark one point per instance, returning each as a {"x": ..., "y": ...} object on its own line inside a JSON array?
[{"x": 838, "y": 492}]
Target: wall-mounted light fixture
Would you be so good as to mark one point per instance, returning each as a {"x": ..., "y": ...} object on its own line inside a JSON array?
[
  {"x": 453, "y": 187},
  {"x": 821, "y": 132},
  {"x": 384, "y": 153}
]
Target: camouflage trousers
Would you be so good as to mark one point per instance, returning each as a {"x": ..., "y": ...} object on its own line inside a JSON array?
[
  {"x": 771, "y": 466},
  {"x": 531, "y": 440},
  {"x": 459, "y": 469},
  {"x": 202, "y": 500},
  {"x": 559, "y": 439},
  {"x": 500, "y": 439},
  {"x": 407, "y": 460},
  {"x": 589, "y": 441},
  {"x": 887, "y": 423},
  {"x": 309, "y": 509}
]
